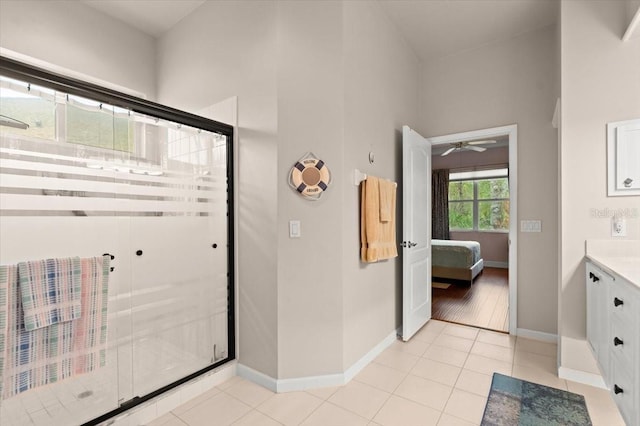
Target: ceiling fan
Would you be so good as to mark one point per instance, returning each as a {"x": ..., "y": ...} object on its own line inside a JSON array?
[{"x": 468, "y": 146}]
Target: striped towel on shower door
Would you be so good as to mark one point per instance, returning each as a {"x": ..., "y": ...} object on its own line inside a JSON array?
[
  {"x": 50, "y": 291},
  {"x": 90, "y": 334},
  {"x": 58, "y": 351},
  {"x": 8, "y": 274}
]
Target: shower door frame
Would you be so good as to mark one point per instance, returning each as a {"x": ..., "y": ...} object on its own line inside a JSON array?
[{"x": 41, "y": 77}]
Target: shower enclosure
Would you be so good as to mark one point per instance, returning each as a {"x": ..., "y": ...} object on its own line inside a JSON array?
[{"x": 86, "y": 171}]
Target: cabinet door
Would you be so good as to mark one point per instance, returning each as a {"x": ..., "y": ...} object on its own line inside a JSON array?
[
  {"x": 598, "y": 284},
  {"x": 593, "y": 315}
]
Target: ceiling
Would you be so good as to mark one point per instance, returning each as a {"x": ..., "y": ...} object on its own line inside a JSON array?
[
  {"x": 433, "y": 28},
  {"x": 501, "y": 142},
  {"x": 153, "y": 17}
]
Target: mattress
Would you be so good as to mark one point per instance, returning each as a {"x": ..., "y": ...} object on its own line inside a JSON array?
[{"x": 455, "y": 254}]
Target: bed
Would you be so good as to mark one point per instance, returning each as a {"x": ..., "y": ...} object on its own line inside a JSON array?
[{"x": 459, "y": 260}]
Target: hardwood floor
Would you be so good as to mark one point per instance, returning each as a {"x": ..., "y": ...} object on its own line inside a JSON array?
[{"x": 484, "y": 304}]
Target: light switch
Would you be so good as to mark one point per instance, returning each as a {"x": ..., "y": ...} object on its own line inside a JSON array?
[
  {"x": 294, "y": 229},
  {"x": 530, "y": 226}
]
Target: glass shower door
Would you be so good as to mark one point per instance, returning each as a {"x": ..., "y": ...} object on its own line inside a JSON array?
[
  {"x": 87, "y": 178},
  {"x": 179, "y": 260}
]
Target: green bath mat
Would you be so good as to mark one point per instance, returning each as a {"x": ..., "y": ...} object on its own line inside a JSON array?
[{"x": 515, "y": 402}]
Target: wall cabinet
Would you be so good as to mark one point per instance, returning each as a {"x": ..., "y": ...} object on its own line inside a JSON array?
[
  {"x": 613, "y": 332},
  {"x": 623, "y": 155}
]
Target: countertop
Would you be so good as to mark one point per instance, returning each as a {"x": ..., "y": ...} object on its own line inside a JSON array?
[{"x": 619, "y": 257}]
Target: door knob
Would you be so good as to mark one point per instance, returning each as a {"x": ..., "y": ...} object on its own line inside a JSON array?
[
  {"x": 617, "y": 302},
  {"x": 412, "y": 244},
  {"x": 617, "y": 341}
]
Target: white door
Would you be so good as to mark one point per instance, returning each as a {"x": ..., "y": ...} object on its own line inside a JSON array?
[{"x": 416, "y": 232}]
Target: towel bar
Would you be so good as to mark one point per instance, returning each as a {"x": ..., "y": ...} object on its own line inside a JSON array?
[{"x": 359, "y": 177}]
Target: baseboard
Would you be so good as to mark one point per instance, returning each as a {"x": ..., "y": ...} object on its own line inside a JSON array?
[
  {"x": 590, "y": 379},
  {"x": 537, "y": 335},
  {"x": 370, "y": 356},
  {"x": 312, "y": 382},
  {"x": 496, "y": 264},
  {"x": 257, "y": 377}
]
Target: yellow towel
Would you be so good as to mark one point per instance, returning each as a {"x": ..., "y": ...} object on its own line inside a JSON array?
[
  {"x": 387, "y": 191},
  {"x": 378, "y": 238},
  {"x": 369, "y": 216}
]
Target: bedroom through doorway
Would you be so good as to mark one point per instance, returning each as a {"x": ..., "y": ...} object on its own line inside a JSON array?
[{"x": 473, "y": 252}]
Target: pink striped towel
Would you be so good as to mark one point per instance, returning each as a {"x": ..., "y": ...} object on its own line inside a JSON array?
[{"x": 50, "y": 291}]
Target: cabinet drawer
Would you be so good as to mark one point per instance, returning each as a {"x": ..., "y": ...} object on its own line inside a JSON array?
[
  {"x": 623, "y": 303},
  {"x": 623, "y": 391},
  {"x": 623, "y": 342}
]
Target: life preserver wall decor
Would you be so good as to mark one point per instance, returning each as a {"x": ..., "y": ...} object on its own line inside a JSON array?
[{"x": 310, "y": 177}]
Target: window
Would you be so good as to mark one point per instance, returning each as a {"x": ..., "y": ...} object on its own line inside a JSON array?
[
  {"x": 479, "y": 201},
  {"x": 51, "y": 115},
  {"x": 102, "y": 126},
  {"x": 30, "y": 105}
]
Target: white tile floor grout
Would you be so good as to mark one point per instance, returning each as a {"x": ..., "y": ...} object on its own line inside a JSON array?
[{"x": 441, "y": 377}]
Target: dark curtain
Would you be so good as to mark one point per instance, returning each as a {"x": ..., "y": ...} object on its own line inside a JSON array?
[{"x": 440, "y": 204}]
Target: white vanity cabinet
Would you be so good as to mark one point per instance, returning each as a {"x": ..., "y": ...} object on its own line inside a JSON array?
[{"x": 613, "y": 332}]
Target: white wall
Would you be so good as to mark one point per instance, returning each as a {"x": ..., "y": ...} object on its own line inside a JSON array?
[
  {"x": 74, "y": 36},
  {"x": 381, "y": 94},
  {"x": 333, "y": 78},
  {"x": 227, "y": 49},
  {"x": 310, "y": 118},
  {"x": 600, "y": 84},
  {"x": 510, "y": 82}
]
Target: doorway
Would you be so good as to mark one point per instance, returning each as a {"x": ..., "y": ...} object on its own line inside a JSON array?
[{"x": 491, "y": 282}]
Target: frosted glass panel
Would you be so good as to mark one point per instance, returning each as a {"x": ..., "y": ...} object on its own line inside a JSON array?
[{"x": 180, "y": 277}]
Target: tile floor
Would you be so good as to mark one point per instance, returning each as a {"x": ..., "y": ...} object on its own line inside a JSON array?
[{"x": 441, "y": 377}]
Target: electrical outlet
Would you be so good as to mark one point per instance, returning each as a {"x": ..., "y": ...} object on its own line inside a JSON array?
[{"x": 618, "y": 227}]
